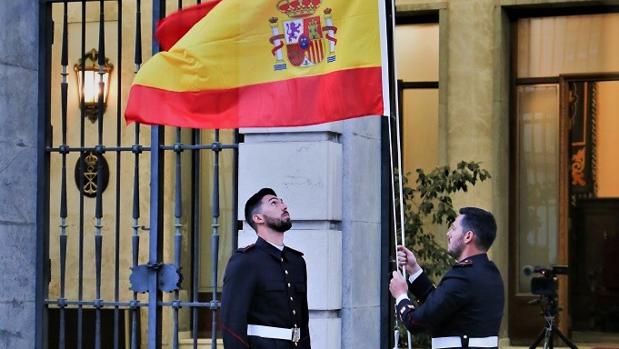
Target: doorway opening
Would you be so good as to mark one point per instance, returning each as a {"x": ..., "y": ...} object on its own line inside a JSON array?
[
  {"x": 563, "y": 196},
  {"x": 592, "y": 114}
]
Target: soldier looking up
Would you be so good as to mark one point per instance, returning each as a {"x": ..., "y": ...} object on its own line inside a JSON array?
[
  {"x": 465, "y": 309},
  {"x": 264, "y": 299}
]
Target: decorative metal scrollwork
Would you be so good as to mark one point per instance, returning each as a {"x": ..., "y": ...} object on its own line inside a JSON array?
[
  {"x": 170, "y": 277},
  {"x": 583, "y": 137},
  {"x": 578, "y": 168},
  {"x": 91, "y": 172}
]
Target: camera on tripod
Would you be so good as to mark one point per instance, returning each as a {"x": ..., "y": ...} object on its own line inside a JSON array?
[{"x": 545, "y": 284}]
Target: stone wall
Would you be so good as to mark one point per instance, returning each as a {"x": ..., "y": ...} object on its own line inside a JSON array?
[
  {"x": 18, "y": 171},
  {"x": 329, "y": 176}
]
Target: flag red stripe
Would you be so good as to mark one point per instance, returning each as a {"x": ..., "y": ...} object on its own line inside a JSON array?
[
  {"x": 176, "y": 25},
  {"x": 302, "y": 101}
]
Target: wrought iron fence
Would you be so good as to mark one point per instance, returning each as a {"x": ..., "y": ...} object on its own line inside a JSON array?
[{"x": 104, "y": 289}]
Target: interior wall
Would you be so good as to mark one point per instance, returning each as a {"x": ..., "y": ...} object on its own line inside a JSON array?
[
  {"x": 417, "y": 51},
  {"x": 417, "y": 58},
  {"x": 550, "y": 46},
  {"x": 420, "y": 125},
  {"x": 538, "y": 177},
  {"x": 607, "y": 144}
]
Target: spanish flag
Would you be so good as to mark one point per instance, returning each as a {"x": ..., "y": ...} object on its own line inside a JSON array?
[{"x": 267, "y": 63}]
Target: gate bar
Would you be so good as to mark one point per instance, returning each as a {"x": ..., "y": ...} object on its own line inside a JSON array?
[
  {"x": 215, "y": 234},
  {"x": 80, "y": 290},
  {"x": 137, "y": 150},
  {"x": 118, "y": 167},
  {"x": 43, "y": 133},
  {"x": 155, "y": 240},
  {"x": 131, "y": 303},
  {"x": 178, "y": 212},
  {"x": 99, "y": 199},
  {"x": 63, "y": 186},
  {"x": 196, "y": 233},
  {"x": 156, "y": 210},
  {"x": 135, "y": 238},
  {"x": 177, "y": 215}
]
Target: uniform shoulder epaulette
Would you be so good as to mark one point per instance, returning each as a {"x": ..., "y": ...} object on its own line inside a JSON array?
[
  {"x": 246, "y": 248},
  {"x": 295, "y": 251},
  {"x": 464, "y": 263}
]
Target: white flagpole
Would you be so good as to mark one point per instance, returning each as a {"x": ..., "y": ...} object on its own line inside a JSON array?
[
  {"x": 395, "y": 95},
  {"x": 396, "y": 330}
]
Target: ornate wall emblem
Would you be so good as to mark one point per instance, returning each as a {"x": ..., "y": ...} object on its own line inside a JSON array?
[
  {"x": 303, "y": 35},
  {"x": 582, "y": 117},
  {"x": 578, "y": 167},
  {"x": 90, "y": 176}
]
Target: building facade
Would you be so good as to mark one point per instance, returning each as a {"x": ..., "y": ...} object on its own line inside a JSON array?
[{"x": 483, "y": 80}]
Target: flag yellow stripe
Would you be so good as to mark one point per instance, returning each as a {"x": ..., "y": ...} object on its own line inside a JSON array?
[{"x": 230, "y": 47}]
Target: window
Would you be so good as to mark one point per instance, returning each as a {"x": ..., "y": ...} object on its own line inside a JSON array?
[{"x": 417, "y": 50}]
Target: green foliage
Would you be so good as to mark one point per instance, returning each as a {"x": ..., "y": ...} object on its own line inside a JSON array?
[{"x": 430, "y": 200}]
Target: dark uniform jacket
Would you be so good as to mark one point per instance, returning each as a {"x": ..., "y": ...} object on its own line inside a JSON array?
[
  {"x": 264, "y": 286},
  {"x": 468, "y": 301}
]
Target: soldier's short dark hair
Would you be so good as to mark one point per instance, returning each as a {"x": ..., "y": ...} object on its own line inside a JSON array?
[
  {"x": 253, "y": 203},
  {"x": 481, "y": 223}
]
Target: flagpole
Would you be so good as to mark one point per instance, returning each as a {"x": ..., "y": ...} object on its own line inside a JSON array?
[
  {"x": 396, "y": 328},
  {"x": 396, "y": 113},
  {"x": 388, "y": 51}
]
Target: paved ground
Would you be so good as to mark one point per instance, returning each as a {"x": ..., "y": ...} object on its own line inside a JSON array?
[
  {"x": 584, "y": 340},
  {"x": 579, "y": 345}
]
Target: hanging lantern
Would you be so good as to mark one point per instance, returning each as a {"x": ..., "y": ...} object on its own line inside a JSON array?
[{"x": 89, "y": 89}]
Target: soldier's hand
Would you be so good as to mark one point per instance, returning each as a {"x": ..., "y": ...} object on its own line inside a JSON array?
[
  {"x": 397, "y": 285},
  {"x": 407, "y": 259}
]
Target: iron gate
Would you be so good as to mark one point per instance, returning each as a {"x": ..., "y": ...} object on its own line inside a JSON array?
[{"x": 104, "y": 289}]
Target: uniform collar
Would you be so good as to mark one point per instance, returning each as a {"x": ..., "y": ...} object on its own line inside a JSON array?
[
  {"x": 281, "y": 248},
  {"x": 270, "y": 249},
  {"x": 480, "y": 257}
]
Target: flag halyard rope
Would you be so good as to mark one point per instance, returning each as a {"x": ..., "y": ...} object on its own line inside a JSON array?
[{"x": 396, "y": 113}]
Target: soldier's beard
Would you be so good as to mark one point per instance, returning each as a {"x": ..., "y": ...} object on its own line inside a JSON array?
[
  {"x": 456, "y": 249},
  {"x": 278, "y": 224}
]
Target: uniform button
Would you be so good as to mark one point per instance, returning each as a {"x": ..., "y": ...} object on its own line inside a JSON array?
[
  {"x": 286, "y": 271},
  {"x": 294, "y": 312},
  {"x": 291, "y": 299},
  {"x": 289, "y": 284},
  {"x": 282, "y": 259}
]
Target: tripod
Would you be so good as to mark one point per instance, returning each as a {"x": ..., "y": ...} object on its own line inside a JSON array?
[{"x": 550, "y": 309}]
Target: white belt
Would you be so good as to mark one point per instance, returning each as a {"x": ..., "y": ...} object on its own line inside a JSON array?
[
  {"x": 456, "y": 342},
  {"x": 291, "y": 334}
]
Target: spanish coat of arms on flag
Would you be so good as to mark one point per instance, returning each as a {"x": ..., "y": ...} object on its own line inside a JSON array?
[{"x": 303, "y": 34}]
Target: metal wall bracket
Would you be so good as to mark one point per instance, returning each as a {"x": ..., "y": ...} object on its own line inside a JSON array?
[{"x": 170, "y": 277}]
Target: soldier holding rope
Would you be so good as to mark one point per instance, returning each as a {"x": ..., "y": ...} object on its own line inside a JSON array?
[{"x": 465, "y": 309}]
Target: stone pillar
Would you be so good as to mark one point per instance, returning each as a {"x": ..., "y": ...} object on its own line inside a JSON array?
[
  {"x": 474, "y": 104},
  {"x": 329, "y": 176},
  {"x": 18, "y": 171},
  {"x": 361, "y": 233},
  {"x": 477, "y": 109}
]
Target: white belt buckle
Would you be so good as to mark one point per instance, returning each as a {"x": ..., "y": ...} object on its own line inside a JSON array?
[
  {"x": 289, "y": 334},
  {"x": 296, "y": 335}
]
